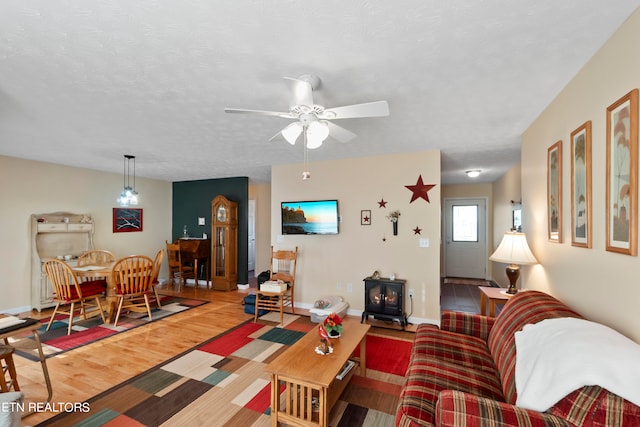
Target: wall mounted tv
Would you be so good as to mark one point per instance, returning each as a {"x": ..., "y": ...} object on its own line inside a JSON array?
[{"x": 310, "y": 217}]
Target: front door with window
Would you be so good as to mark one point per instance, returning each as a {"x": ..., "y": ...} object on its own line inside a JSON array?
[{"x": 465, "y": 249}]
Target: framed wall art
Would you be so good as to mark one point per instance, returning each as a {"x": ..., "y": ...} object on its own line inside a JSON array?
[
  {"x": 127, "y": 220},
  {"x": 554, "y": 192},
  {"x": 581, "y": 186},
  {"x": 622, "y": 175},
  {"x": 365, "y": 217}
]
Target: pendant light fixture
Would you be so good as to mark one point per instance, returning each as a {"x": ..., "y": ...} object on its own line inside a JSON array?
[{"x": 129, "y": 195}]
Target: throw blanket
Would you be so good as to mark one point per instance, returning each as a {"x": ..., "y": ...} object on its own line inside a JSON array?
[{"x": 557, "y": 356}]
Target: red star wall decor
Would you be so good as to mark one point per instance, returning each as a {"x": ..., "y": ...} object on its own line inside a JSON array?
[
  {"x": 420, "y": 190},
  {"x": 382, "y": 203},
  {"x": 417, "y": 230}
]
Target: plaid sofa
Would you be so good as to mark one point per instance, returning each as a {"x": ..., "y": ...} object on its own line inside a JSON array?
[{"x": 463, "y": 374}]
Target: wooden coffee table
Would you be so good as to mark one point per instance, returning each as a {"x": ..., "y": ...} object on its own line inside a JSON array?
[{"x": 309, "y": 377}]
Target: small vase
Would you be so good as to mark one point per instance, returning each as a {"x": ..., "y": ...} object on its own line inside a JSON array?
[{"x": 395, "y": 228}]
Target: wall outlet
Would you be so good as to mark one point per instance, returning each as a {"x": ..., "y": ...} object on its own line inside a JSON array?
[
  {"x": 410, "y": 293},
  {"x": 339, "y": 286},
  {"x": 349, "y": 287}
]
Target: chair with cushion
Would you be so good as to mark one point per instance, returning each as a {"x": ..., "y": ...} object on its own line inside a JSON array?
[
  {"x": 157, "y": 263},
  {"x": 132, "y": 278},
  {"x": 68, "y": 292},
  {"x": 283, "y": 269},
  {"x": 177, "y": 269},
  {"x": 96, "y": 257}
]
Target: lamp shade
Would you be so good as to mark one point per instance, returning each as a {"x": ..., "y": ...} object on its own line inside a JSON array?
[{"x": 513, "y": 249}]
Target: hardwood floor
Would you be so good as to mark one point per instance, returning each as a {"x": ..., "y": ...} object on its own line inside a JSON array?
[{"x": 84, "y": 372}]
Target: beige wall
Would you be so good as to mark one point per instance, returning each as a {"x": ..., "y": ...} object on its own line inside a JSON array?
[
  {"x": 28, "y": 187},
  {"x": 329, "y": 264},
  {"x": 505, "y": 189},
  {"x": 601, "y": 285},
  {"x": 261, "y": 193}
]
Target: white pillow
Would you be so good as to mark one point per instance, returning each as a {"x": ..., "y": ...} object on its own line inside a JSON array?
[{"x": 557, "y": 356}]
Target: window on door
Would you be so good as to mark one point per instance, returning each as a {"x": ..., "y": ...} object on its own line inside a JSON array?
[{"x": 465, "y": 223}]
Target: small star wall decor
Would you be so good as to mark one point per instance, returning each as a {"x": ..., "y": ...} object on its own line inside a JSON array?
[
  {"x": 417, "y": 230},
  {"x": 382, "y": 203},
  {"x": 420, "y": 190}
]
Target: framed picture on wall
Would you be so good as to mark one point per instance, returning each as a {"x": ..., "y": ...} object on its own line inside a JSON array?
[
  {"x": 581, "y": 186},
  {"x": 365, "y": 217},
  {"x": 554, "y": 192},
  {"x": 622, "y": 175},
  {"x": 127, "y": 220}
]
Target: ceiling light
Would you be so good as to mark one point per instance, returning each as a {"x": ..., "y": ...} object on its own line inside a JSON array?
[
  {"x": 317, "y": 132},
  {"x": 474, "y": 173},
  {"x": 129, "y": 195},
  {"x": 292, "y": 132}
]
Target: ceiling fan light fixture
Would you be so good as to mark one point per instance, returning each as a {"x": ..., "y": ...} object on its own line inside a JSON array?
[
  {"x": 317, "y": 132},
  {"x": 292, "y": 132}
]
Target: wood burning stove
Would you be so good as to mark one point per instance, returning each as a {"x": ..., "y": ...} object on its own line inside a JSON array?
[{"x": 384, "y": 300}]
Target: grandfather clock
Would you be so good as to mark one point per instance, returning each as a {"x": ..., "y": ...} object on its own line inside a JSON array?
[{"x": 224, "y": 244}]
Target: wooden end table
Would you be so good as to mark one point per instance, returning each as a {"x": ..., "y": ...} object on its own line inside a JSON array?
[
  {"x": 309, "y": 377},
  {"x": 495, "y": 296}
]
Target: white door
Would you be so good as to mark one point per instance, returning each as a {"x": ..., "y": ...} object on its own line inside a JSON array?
[
  {"x": 251, "y": 261},
  {"x": 465, "y": 249}
]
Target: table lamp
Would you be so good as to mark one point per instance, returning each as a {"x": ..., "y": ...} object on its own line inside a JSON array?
[{"x": 513, "y": 250}]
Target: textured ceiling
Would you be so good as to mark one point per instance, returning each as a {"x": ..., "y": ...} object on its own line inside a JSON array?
[{"x": 84, "y": 82}]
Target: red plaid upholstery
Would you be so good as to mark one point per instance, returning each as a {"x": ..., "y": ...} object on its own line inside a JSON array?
[
  {"x": 464, "y": 375},
  {"x": 595, "y": 406},
  {"x": 525, "y": 307},
  {"x": 456, "y": 408}
]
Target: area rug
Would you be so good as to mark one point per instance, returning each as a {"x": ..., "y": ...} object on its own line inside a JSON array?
[
  {"x": 56, "y": 341},
  {"x": 222, "y": 382}
]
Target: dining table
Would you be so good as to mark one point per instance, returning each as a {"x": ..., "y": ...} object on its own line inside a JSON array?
[{"x": 97, "y": 271}]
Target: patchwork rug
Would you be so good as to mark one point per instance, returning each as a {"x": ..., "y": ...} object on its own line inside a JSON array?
[
  {"x": 222, "y": 382},
  {"x": 56, "y": 341}
]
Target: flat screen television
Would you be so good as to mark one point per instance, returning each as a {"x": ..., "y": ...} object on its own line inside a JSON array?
[{"x": 310, "y": 217}]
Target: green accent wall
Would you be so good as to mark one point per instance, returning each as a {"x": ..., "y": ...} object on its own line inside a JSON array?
[{"x": 192, "y": 199}]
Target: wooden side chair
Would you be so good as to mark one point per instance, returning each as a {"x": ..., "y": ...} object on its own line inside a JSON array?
[
  {"x": 177, "y": 269},
  {"x": 132, "y": 277},
  {"x": 157, "y": 263},
  {"x": 96, "y": 257},
  {"x": 8, "y": 367},
  {"x": 68, "y": 292},
  {"x": 283, "y": 267}
]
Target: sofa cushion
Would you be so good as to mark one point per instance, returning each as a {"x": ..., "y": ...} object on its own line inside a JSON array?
[
  {"x": 427, "y": 377},
  {"x": 452, "y": 347},
  {"x": 596, "y": 407},
  {"x": 523, "y": 308}
]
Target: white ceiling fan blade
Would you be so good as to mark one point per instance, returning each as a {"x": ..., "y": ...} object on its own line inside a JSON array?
[
  {"x": 302, "y": 92},
  {"x": 339, "y": 133},
  {"x": 368, "y": 109},
  {"x": 259, "y": 112}
]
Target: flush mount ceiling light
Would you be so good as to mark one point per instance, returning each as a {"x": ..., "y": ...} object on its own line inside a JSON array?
[
  {"x": 473, "y": 173},
  {"x": 129, "y": 195}
]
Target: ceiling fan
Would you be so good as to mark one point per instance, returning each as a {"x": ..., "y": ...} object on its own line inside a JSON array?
[{"x": 313, "y": 121}]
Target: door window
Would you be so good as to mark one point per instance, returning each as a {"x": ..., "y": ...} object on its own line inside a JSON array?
[{"x": 465, "y": 223}]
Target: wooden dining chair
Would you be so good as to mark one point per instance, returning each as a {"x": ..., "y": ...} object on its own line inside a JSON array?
[
  {"x": 132, "y": 278},
  {"x": 68, "y": 292},
  {"x": 157, "y": 263},
  {"x": 96, "y": 257},
  {"x": 283, "y": 267},
  {"x": 177, "y": 269}
]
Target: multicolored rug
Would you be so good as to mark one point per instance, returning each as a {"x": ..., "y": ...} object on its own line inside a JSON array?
[
  {"x": 56, "y": 341},
  {"x": 222, "y": 382}
]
